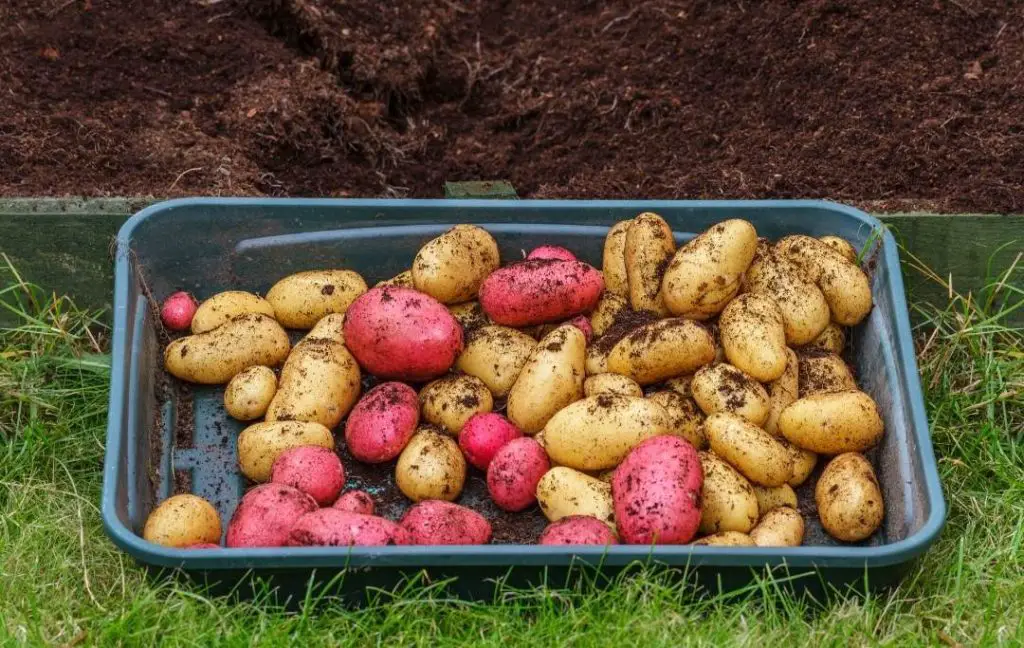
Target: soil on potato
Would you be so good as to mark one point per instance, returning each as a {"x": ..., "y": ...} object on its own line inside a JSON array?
[{"x": 887, "y": 105}]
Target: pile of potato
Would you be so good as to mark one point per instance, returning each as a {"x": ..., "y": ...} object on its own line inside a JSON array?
[{"x": 676, "y": 395}]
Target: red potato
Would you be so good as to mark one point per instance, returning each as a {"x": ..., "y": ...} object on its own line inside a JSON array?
[
  {"x": 483, "y": 435},
  {"x": 656, "y": 492},
  {"x": 204, "y": 545},
  {"x": 537, "y": 291},
  {"x": 330, "y": 527},
  {"x": 178, "y": 311},
  {"x": 382, "y": 422},
  {"x": 514, "y": 472},
  {"x": 266, "y": 515},
  {"x": 578, "y": 530},
  {"x": 582, "y": 323},
  {"x": 314, "y": 470},
  {"x": 355, "y": 501},
  {"x": 402, "y": 334},
  {"x": 551, "y": 252},
  {"x": 436, "y": 522}
]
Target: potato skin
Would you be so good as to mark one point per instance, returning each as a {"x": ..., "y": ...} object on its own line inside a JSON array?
[
  {"x": 401, "y": 280},
  {"x": 833, "y": 339},
  {"x": 805, "y": 313},
  {"x": 663, "y": 349},
  {"x": 260, "y": 444},
  {"x": 215, "y": 357},
  {"x": 563, "y": 492},
  {"x": 183, "y": 520},
  {"x": 431, "y": 467},
  {"x": 451, "y": 267},
  {"x": 596, "y": 360},
  {"x": 483, "y": 435},
  {"x": 330, "y": 527},
  {"x": 319, "y": 382},
  {"x": 355, "y": 501},
  {"x": 823, "y": 373},
  {"x": 382, "y": 422},
  {"x": 608, "y": 307},
  {"x": 551, "y": 252},
  {"x": 769, "y": 498},
  {"x": 728, "y": 502},
  {"x": 514, "y": 472},
  {"x": 539, "y": 291},
  {"x": 726, "y": 539},
  {"x": 313, "y": 470},
  {"x": 225, "y": 306},
  {"x": 577, "y": 530},
  {"x": 754, "y": 336},
  {"x": 266, "y": 514},
  {"x": 845, "y": 286},
  {"x": 450, "y": 401},
  {"x": 470, "y": 315},
  {"x": 834, "y": 423},
  {"x": 302, "y": 299},
  {"x": 840, "y": 245},
  {"x": 248, "y": 394},
  {"x": 804, "y": 462},
  {"x": 779, "y": 527},
  {"x": 611, "y": 383},
  {"x": 849, "y": 500},
  {"x": 724, "y": 388},
  {"x": 685, "y": 418},
  {"x": 649, "y": 246},
  {"x": 783, "y": 391},
  {"x": 758, "y": 456},
  {"x": 496, "y": 355},
  {"x": 613, "y": 263},
  {"x": 551, "y": 379},
  {"x": 330, "y": 326},
  {"x": 436, "y": 522}
]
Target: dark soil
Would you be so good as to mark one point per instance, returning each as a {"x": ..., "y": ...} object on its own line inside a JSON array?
[{"x": 888, "y": 105}]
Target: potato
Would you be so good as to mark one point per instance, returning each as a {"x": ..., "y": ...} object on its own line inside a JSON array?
[
  {"x": 656, "y": 492},
  {"x": 451, "y": 267},
  {"x": 607, "y": 309},
  {"x": 845, "y": 286},
  {"x": 540, "y": 291},
  {"x": 849, "y": 499},
  {"x": 249, "y": 393},
  {"x": 330, "y": 527},
  {"x": 183, "y": 520},
  {"x": 822, "y": 372},
  {"x": 177, "y": 312},
  {"x": 482, "y": 436},
  {"x": 754, "y": 337},
  {"x": 319, "y": 382},
  {"x": 551, "y": 252},
  {"x": 662, "y": 349},
  {"x": 613, "y": 264},
  {"x": 770, "y": 497},
  {"x": 599, "y": 431},
  {"x": 583, "y": 324},
  {"x": 450, "y": 401},
  {"x": 726, "y": 539},
  {"x": 804, "y": 311},
  {"x": 496, "y": 355},
  {"x": 705, "y": 274},
  {"x": 435, "y": 522},
  {"x": 266, "y": 515},
  {"x": 804, "y": 462},
  {"x": 596, "y": 359},
  {"x": 610, "y": 383},
  {"x": 649, "y": 246},
  {"x": 401, "y": 280},
  {"x": 724, "y": 388},
  {"x": 402, "y": 334},
  {"x": 382, "y": 422},
  {"x": 682, "y": 385},
  {"x": 469, "y": 315},
  {"x": 313, "y": 470},
  {"x": 685, "y": 419},
  {"x": 514, "y": 472},
  {"x": 577, "y": 530},
  {"x": 355, "y": 501},
  {"x": 330, "y": 326},
  {"x": 727, "y": 500},
  {"x": 779, "y": 527},
  {"x": 302, "y": 299},
  {"x": 833, "y": 339},
  {"x": 563, "y": 492},
  {"x": 758, "y": 456},
  {"x": 840, "y": 245},
  {"x": 551, "y": 379},
  {"x": 430, "y": 467},
  {"x": 215, "y": 357},
  {"x": 225, "y": 306},
  {"x": 832, "y": 424},
  {"x": 260, "y": 444},
  {"x": 783, "y": 391}
]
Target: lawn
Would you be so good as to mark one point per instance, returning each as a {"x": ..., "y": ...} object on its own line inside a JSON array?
[{"x": 63, "y": 582}]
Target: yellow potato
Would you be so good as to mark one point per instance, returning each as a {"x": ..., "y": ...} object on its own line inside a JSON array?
[
  {"x": 705, "y": 274},
  {"x": 832, "y": 423},
  {"x": 726, "y": 539},
  {"x": 249, "y": 393},
  {"x": 681, "y": 385},
  {"x": 779, "y": 527},
  {"x": 804, "y": 462},
  {"x": 727, "y": 500},
  {"x": 770, "y": 497},
  {"x": 401, "y": 280},
  {"x": 833, "y": 339},
  {"x": 451, "y": 267},
  {"x": 261, "y": 443},
  {"x": 663, "y": 349},
  {"x": 783, "y": 391},
  {"x": 823, "y": 373},
  {"x": 614, "y": 262},
  {"x": 496, "y": 355},
  {"x": 320, "y": 382},
  {"x": 598, "y": 432},
  {"x": 431, "y": 467},
  {"x": 183, "y": 520},
  {"x": 331, "y": 327},
  {"x": 724, "y": 388},
  {"x": 302, "y": 299},
  {"x": 845, "y": 286},
  {"x": 469, "y": 315},
  {"x": 805, "y": 313},
  {"x": 596, "y": 359},
  {"x": 610, "y": 383},
  {"x": 450, "y": 401},
  {"x": 649, "y": 246},
  {"x": 225, "y": 306},
  {"x": 214, "y": 357},
  {"x": 754, "y": 337},
  {"x": 849, "y": 499},
  {"x": 756, "y": 454},
  {"x": 608, "y": 307},
  {"x": 562, "y": 492},
  {"x": 684, "y": 417},
  {"x": 551, "y": 379},
  {"x": 840, "y": 245}
]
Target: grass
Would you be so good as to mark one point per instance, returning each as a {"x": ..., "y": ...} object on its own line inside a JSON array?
[{"x": 62, "y": 582}]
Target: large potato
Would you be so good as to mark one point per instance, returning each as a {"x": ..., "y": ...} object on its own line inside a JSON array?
[
  {"x": 450, "y": 401},
  {"x": 758, "y": 456},
  {"x": 215, "y": 357},
  {"x": 249, "y": 393},
  {"x": 832, "y": 423},
  {"x": 649, "y": 246},
  {"x": 607, "y": 309},
  {"x": 319, "y": 382},
  {"x": 496, "y": 355},
  {"x": 728, "y": 502},
  {"x": 611, "y": 383},
  {"x": 783, "y": 391},
  {"x": 845, "y": 286},
  {"x": 564, "y": 492},
  {"x": 685, "y": 419},
  {"x": 849, "y": 500},
  {"x": 451, "y": 267},
  {"x": 662, "y": 349},
  {"x": 260, "y": 444},
  {"x": 822, "y": 372},
  {"x": 431, "y": 467},
  {"x": 705, "y": 274},
  {"x": 599, "y": 431},
  {"x": 805, "y": 312},
  {"x": 724, "y": 388},
  {"x": 301, "y": 299},
  {"x": 614, "y": 261},
  {"x": 539, "y": 291},
  {"x": 551, "y": 379},
  {"x": 382, "y": 422},
  {"x": 754, "y": 337},
  {"x": 225, "y": 306},
  {"x": 181, "y": 521},
  {"x": 779, "y": 527}
]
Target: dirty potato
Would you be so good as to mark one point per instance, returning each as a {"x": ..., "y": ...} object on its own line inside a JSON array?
[
  {"x": 649, "y": 246},
  {"x": 451, "y": 267},
  {"x": 728, "y": 502},
  {"x": 551, "y": 379},
  {"x": 216, "y": 356},
  {"x": 249, "y": 393},
  {"x": 496, "y": 355},
  {"x": 849, "y": 499},
  {"x": 754, "y": 336},
  {"x": 227, "y": 305},
  {"x": 685, "y": 418},
  {"x": 822, "y": 372},
  {"x": 847, "y": 421},
  {"x": 302, "y": 299},
  {"x": 662, "y": 349},
  {"x": 431, "y": 467},
  {"x": 450, "y": 401},
  {"x": 724, "y": 388},
  {"x": 614, "y": 260},
  {"x": 782, "y": 391},
  {"x": 805, "y": 313},
  {"x": 756, "y": 454},
  {"x": 611, "y": 383},
  {"x": 320, "y": 382}
]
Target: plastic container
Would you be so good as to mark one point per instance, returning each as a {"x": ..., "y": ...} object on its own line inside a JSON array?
[{"x": 209, "y": 245}]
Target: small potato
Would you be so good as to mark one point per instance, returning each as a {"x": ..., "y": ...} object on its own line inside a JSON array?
[
  {"x": 599, "y": 431},
  {"x": 514, "y": 472},
  {"x": 401, "y": 280},
  {"x": 804, "y": 462},
  {"x": 610, "y": 383},
  {"x": 215, "y": 357},
  {"x": 260, "y": 444},
  {"x": 469, "y": 315},
  {"x": 849, "y": 500},
  {"x": 754, "y": 337},
  {"x": 540, "y": 291},
  {"x": 726, "y": 539},
  {"x": 451, "y": 267},
  {"x": 450, "y": 401},
  {"x": 183, "y": 520},
  {"x": 313, "y": 470},
  {"x": 551, "y": 379},
  {"x": 436, "y": 522},
  {"x": 249, "y": 393},
  {"x": 613, "y": 264},
  {"x": 330, "y": 326},
  {"x": 266, "y": 515},
  {"x": 833, "y": 339},
  {"x": 681, "y": 385},
  {"x": 649, "y": 246},
  {"x": 355, "y": 501},
  {"x": 302, "y": 299},
  {"x": 822, "y": 372},
  {"x": 804, "y": 311},
  {"x": 772, "y": 497},
  {"x": 225, "y": 306},
  {"x": 705, "y": 274},
  {"x": 758, "y": 456},
  {"x": 563, "y": 492},
  {"x": 330, "y": 527},
  {"x": 845, "y": 286},
  {"x": 607, "y": 309},
  {"x": 779, "y": 527},
  {"x": 551, "y": 252},
  {"x": 832, "y": 423},
  {"x": 783, "y": 391},
  {"x": 661, "y": 350},
  {"x": 382, "y": 422},
  {"x": 728, "y": 502},
  {"x": 840, "y": 245},
  {"x": 431, "y": 467},
  {"x": 724, "y": 388},
  {"x": 483, "y": 435},
  {"x": 178, "y": 310},
  {"x": 577, "y": 530},
  {"x": 320, "y": 382},
  {"x": 496, "y": 355},
  {"x": 686, "y": 421},
  {"x": 596, "y": 359}
]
